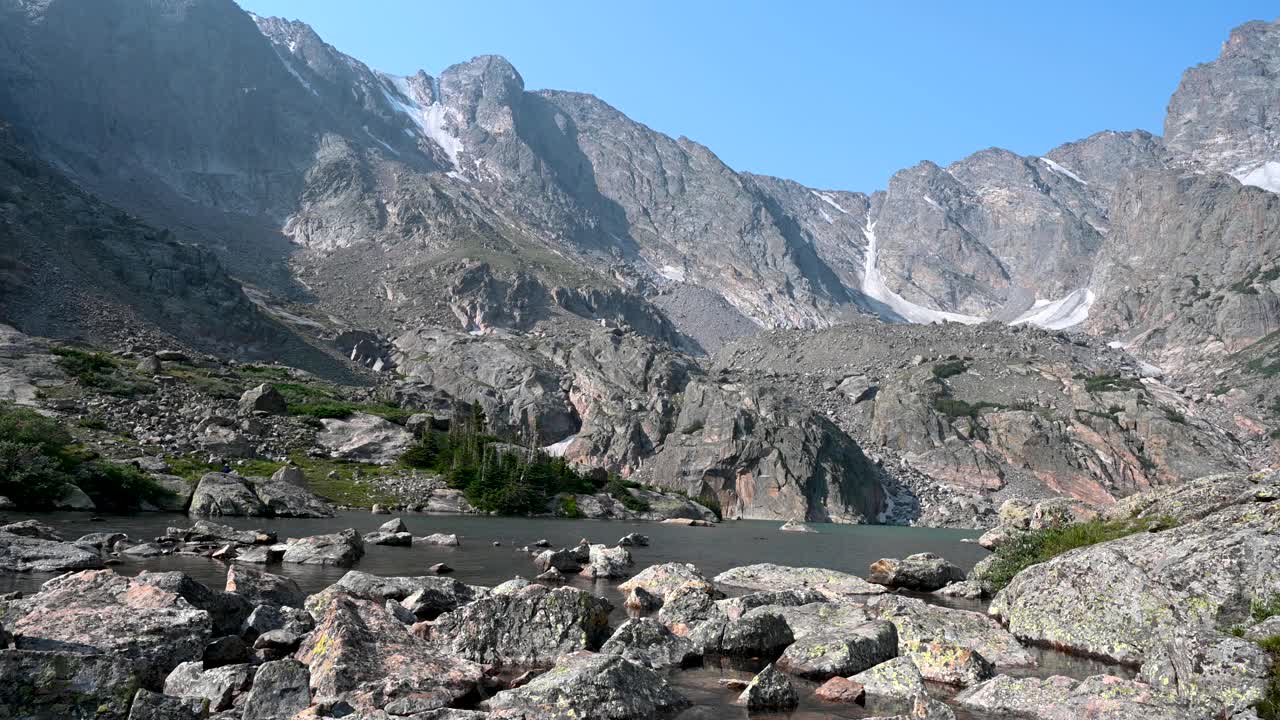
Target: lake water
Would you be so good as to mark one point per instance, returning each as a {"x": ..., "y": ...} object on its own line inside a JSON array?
[{"x": 850, "y": 548}]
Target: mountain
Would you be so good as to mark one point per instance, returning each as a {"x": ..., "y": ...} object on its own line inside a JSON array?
[{"x": 476, "y": 235}]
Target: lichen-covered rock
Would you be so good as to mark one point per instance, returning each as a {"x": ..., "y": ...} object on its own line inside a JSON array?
[
  {"x": 362, "y": 654},
  {"x": 923, "y": 707},
  {"x": 1195, "y": 499},
  {"x": 226, "y": 610},
  {"x": 266, "y": 618},
  {"x": 662, "y": 580},
  {"x": 56, "y": 685},
  {"x": 340, "y": 549},
  {"x": 19, "y": 553},
  {"x": 685, "y": 608},
  {"x": 148, "y": 705},
  {"x": 770, "y": 689},
  {"x": 1062, "y": 698},
  {"x": 281, "y": 689},
  {"x": 217, "y": 686},
  {"x": 951, "y": 664},
  {"x": 641, "y": 601},
  {"x": 426, "y": 596},
  {"x": 584, "y": 685},
  {"x": 762, "y": 632},
  {"x": 896, "y": 679},
  {"x": 393, "y": 526},
  {"x": 97, "y": 611},
  {"x": 834, "y": 584},
  {"x": 736, "y": 607},
  {"x": 923, "y": 572},
  {"x": 223, "y": 494},
  {"x": 824, "y": 655},
  {"x": 205, "y": 531},
  {"x": 840, "y": 690},
  {"x": 531, "y": 627},
  {"x": 967, "y": 589},
  {"x": 608, "y": 562},
  {"x": 263, "y": 588},
  {"x": 920, "y": 623},
  {"x": 648, "y": 642}
]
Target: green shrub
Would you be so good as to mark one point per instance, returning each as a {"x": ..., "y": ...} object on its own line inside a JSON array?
[
  {"x": 1111, "y": 383},
  {"x": 323, "y": 410},
  {"x": 1034, "y": 547},
  {"x": 27, "y": 427},
  {"x": 118, "y": 487},
  {"x": 1175, "y": 416},
  {"x": 959, "y": 408},
  {"x": 1261, "y": 610},
  {"x": 569, "y": 507},
  {"x": 951, "y": 368},
  {"x": 1269, "y": 708},
  {"x": 92, "y": 423},
  {"x": 29, "y": 477}
]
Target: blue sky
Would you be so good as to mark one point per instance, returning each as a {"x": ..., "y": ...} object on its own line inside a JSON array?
[{"x": 832, "y": 94}]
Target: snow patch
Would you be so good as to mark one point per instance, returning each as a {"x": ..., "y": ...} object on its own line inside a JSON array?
[
  {"x": 671, "y": 272},
  {"x": 1059, "y": 314},
  {"x": 378, "y": 140},
  {"x": 1063, "y": 171},
  {"x": 931, "y": 201},
  {"x": 558, "y": 449},
  {"x": 826, "y": 198},
  {"x": 825, "y": 216},
  {"x": 873, "y": 286},
  {"x": 431, "y": 119},
  {"x": 1265, "y": 176}
]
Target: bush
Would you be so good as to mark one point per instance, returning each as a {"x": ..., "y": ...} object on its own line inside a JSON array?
[
  {"x": 569, "y": 507},
  {"x": 118, "y": 487},
  {"x": 942, "y": 371},
  {"x": 1037, "y": 546},
  {"x": 1111, "y": 383},
  {"x": 1175, "y": 416},
  {"x": 620, "y": 490},
  {"x": 959, "y": 408},
  {"x": 27, "y": 427},
  {"x": 1269, "y": 708},
  {"x": 29, "y": 477}
]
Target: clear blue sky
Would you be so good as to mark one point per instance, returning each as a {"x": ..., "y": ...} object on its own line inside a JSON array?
[{"x": 832, "y": 94}]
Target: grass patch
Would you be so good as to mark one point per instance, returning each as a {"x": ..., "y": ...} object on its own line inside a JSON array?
[
  {"x": 1264, "y": 366},
  {"x": 92, "y": 423},
  {"x": 951, "y": 368},
  {"x": 569, "y": 507},
  {"x": 1111, "y": 383},
  {"x": 1269, "y": 708},
  {"x": 340, "y": 482},
  {"x": 99, "y": 371},
  {"x": 619, "y": 490},
  {"x": 1037, "y": 546}
]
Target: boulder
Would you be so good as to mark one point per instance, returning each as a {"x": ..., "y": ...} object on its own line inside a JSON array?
[
  {"x": 834, "y": 584},
  {"x": 401, "y": 539},
  {"x": 226, "y": 610},
  {"x": 685, "y": 608},
  {"x": 552, "y": 575},
  {"x": 361, "y": 654},
  {"x": 514, "y": 585},
  {"x": 261, "y": 554},
  {"x": 20, "y": 553},
  {"x": 32, "y": 529},
  {"x": 586, "y": 685},
  {"x": 291, "y": 475},
  {"x": 641, "y": 601},
  {"x": 923, "y": 707},
  {"x": 663, "y": 580},
  {"x": 226, "y": 650},
  {"x": 266, "y": 618},
  {"x": 821, "y": 617},
  {"x": 281, "y": 689},
  {"x": 840, "y": 690},
  {"x": 177, "y": 496},
  {"x": 634, "y": 540},
  {"x": 967, "y": 589},
  {"x": 149, "y": 705},
  {"x": 796, "y": 526},
  {"x": 223, "y": 494},
  {"x": 821, "y": 656},
  {"x": 920, "y": 623},
  {"x": 285, "y": 499},
  {"x": 264, "y": 399},
  {"x": 441, "y": 539},
  {"x": 218, "y": 686},
  {"x": 762, "y": 632},
  {"x": 340, "y": 549},
  {"x": 531, "y": 627},
  {"x": 769, "y": 690},
  {"x": 951, "y": 664},
  {"x": 607, "y": 562},
  {"x": 73, "y": 498},
  {"x": 51, "y": 685},
  {"x": 393, "y": 526},
  {"x": 923, "y": 572},
  {"x": 897, "y": 679},
  {"x": 97, "y": 611},
  {"x": 263, "y": 588},
  {"x": 1062, "y": 698},
  {"x": 7, "y": 505},
  {"x": 736, "y": 607},
  {"x": 149, "y": 365},
  {"x": 426, "y": 591},
  {"x": 211, "y": 532},
  {"x": 364, "y": 438},
  {"x": 648, "y": 642}
]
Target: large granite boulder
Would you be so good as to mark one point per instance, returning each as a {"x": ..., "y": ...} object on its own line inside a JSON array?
[
  {"x": 341, "y": 549},
  {"x": 663, "y": 580},
  {"x": 281, "y": 689},
  {"x": 607, "y": 562},
  {"x": 920, "y": 623},
  {"x": 205, "y": 531},
  {"x": 148, "y": 705},
  {"x": 364, "y": 438},
  {"x": 923, "y": 572},
  {"x": 949, "y": 664},
  {"x": 219, "y": 687},
  {"x": 766, "y": 576},
  {"x": 20, "y": 553},
  {"x": 177, "y": 495},
  {"x": 360, "y": 653},
  {"x": 531, "y": 627},
  {"x": 263, "y": 588},
  {"x": 426, "y": 596},
  {"x": 895, "y": 680},
  {"x": 227, "y": 611},
  {"x": 648, "y": 642},
  {"x": 70, "y": 683},
  {"x": 100, "y": 612},
  {"x": 219, "y": 494},
  {"x": 770, "y": 689},
  {"x": 285, "y": 499},
  {"x": 824, "y": 655},
  {"x": 1062, "y": 698},
  {"x": 585, "y": 685},
  {"x": 762, "y": 632},
  {"x": 265, "y": 399}
]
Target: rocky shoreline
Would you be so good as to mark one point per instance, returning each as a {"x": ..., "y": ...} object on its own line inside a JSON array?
[{"x": 1174, "y": 608}]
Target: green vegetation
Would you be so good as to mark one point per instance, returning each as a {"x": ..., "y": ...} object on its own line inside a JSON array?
[
  {"x": 1269, "y": 708},
  {"x": 959, "y": 408},
  {"x": 322, "y": 403},
  {"x": 569, "y": 507},
  {"x": 1110, "y": 383},
  {"x": 951, "y": 368},
  {"x": 1266, "y": 609},
  {"x": 1037, "y": 546},
  {"x": 1266, "y": 366},
  {"x": 340, "y": 482},
  {"x": 38, "y": 459},
  {"x": 1174, "y": 416},
  {"x": 99, "y": 371},
  {"x": 619, "y": 490}
]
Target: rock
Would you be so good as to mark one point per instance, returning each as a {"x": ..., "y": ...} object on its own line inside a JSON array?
[
  {"x": 563, "y": 560},
  {"x": 281, "y": 688},
  {"x": 920, "y": 623},
  {"x": 378, "y": 509},
  {"x": 951, "y": 665},
  {"x": 446, "y": 593},
  {"x": 438, "y": 539},
  {"x": 897, "y": 679},
  {"x": 924, "y": 707},
  {"x": 665, "y": 579},
  {"x": 923, "y": 572},
  {"x": 99, "y": 611},
  {"x": 589, "y": 686},
  {"x": 364, "y": 438},
  {"x": 834, "y": 584},
  {"x": 400, "y": 612},
  {"x": 440, "y": 569},
  {"x": 648, "y": 642},
  {"x": 1061, "y": 698},
  {"x": 219, "y": 686},
  {"x": 73, "y": 498},
  {"x": 36, "y": 685},
  {"x": 552, "y": 575},
  {"x": 840, "y": 690},
  {"x": 796, "y": 526},
  {"x": 291, "y": 475},
  {"x": 736, "y": 607},
  {"x": 400, "y": 539},
  {"x": 261, "y": 555},
  {"x": 226, "y": 610},
  {"x": 149, "y": 365},
  {"x": 1263, "y": 630},
  {"x": 227, "y": 650},
  {"x": 262, "y": 588},
  {"x": 147, "y": 550},
  {"x": 178, "y": 493},
  {"x": 31, "y": 529},
  {"x": 6, "y": 504},
  {"x": 222, "y": 494},
  {"x": 688, "y": 522},
  {"x": 149, "y": 705},
  {"x": 607, "y": 562},
  {"x": 341, "y": 549},
  {"x": 634, "y": 539},
  {"x": 265, "y": 399},
  {"x": 360, "y": 653},
  {"x": 762, "y": 632},
  {"x": 206, "y": 531},
  {"x": 641, "y": 601},
  {"x": 28, "y": 554},
  {"x": 769, "y": 690},
  {"x": 285, "y": 499},
  {"x": 5, "y": 638},
  {"x": 967, "y": 589},
  {"x": 529, "y": 628},
  {"x": 821, "y": 656},
  {"x": 266, "y": 618},
  {"x": 394, "y": 525}
]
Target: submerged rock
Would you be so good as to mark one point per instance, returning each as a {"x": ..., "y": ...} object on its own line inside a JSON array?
[
  {"x": 19, "y": 553},
  {"x": 340, "y": 549},
  {"x": 585, "y": 685}
]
